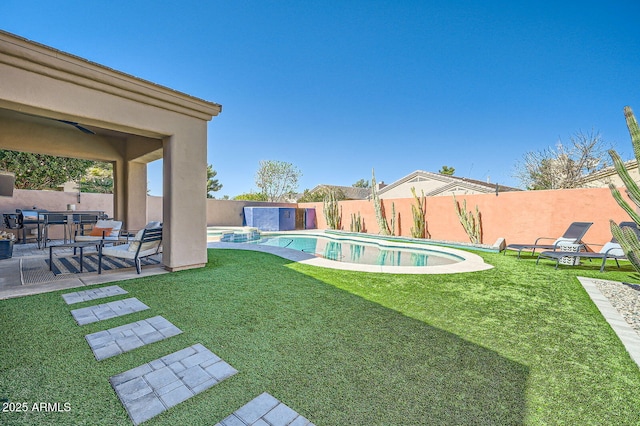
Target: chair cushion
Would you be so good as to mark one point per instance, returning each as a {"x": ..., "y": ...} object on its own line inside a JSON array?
[
  {"x": 115, "y": 226},
  {"x": 133, "y": 246},
  {"x": 84, "y": 238},
  {"x": 123, "y": 251},
  {"x": 564, "y": 240},
  {"x": 99, "y": 232},
  {"x": 615, "y": 248}
]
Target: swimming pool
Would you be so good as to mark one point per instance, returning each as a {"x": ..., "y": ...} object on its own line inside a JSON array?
[{"x": 364, "y": 254}]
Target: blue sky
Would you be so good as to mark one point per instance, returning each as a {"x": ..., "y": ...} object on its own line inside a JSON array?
[{"x": 340, "y": 87}]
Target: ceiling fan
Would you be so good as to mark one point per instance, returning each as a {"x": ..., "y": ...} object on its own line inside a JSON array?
[
  {"x": 70, "y": 123},
  {"x": 78, "y": 126}
]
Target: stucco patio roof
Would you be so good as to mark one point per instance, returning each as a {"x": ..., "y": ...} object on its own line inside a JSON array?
[
  {"x": 39, "y": 58},
  {"x": 133, "y": 122}
]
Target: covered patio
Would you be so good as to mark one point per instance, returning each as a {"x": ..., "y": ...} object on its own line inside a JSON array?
[
  {"x": 28, "y": 273},
  {"x": 55, "y": 103}
]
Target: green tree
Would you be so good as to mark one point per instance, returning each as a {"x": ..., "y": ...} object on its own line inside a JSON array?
[
  {"x": 446, "y": 170},
  {"x": 251, "y": 196},
  {"x": 361, "y": 184},
  {"x": 99, "y": 179},
  {"x": 310, "y": 197},
  {"x": 39, "y": 171},
  {"x": 321, "y": 193},
  {"x": 212, "y": 184},
  {"x": 276, "y": 179}
]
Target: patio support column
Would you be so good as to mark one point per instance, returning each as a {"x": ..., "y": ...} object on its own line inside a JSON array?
[
  {"x": 184, "y": 190},
  {"x": 119, "y": 191},
  {"x": 136, "y": 195}
]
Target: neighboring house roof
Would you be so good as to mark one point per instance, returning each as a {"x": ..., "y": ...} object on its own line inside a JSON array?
[
  {"x": 487, "y": 185},
  {"x": 350, "y": 192},
  {"x": 603, "y": 177},
  {"x": 439, "y": 184}
]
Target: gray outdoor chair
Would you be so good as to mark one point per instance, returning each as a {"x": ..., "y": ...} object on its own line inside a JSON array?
[
  {"x": 611, "y": 250},
  {"x": 146, "y": 243},
  {"x": 573, "y": 235}
]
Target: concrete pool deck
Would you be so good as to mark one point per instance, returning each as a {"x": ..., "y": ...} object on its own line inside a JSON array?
[{"x": 471, "y": 263}]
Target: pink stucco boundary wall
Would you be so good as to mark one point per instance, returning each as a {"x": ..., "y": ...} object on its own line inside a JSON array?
[
  {"x": 519, "y": 217},
  {"x": 219, "y": 212},
  {"x": 55, "y": 201}
]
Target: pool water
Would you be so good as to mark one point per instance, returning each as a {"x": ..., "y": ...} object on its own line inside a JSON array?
[{"x": 351, "y": 251}]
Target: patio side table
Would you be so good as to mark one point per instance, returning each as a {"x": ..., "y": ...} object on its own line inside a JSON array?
[
  {"x": 569, "y": 260},
  {"x": 77, "y": 245}
]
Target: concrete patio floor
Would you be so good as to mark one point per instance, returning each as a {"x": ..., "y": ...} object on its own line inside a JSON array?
[{"x": 27, "y": 258}]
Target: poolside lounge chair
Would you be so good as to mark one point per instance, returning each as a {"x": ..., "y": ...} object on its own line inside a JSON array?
[
  {"x": 146, "y": 243},
  {"x": 611, "y": 250},
  {"x": 572, "y": 235}
]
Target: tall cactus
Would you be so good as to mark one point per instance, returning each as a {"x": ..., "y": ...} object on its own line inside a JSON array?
[
  {"x": 419, "y": 211},
  {"x": 357, "y": 223},
  {"x": 471, "y": 223},
  {"x": 332, "y": 212},
  {"x": 627, "y": 238},
  {"x": 379, "y": 208},
  {"x": 393, "y": 219}
]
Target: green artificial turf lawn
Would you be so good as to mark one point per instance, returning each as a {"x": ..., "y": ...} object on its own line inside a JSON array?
[{"x": 517, "y": 344}]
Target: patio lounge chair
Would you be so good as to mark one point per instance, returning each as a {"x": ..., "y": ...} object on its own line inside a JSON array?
[
  {"x": 573, "y": 235},
  {"x": 611, "y": 250},
  {"x": 104, "y": 229},
  {"x": 146, "y": 243}
]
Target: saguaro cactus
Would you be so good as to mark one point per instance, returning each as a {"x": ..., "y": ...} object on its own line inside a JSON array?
[
  {"x": 379, "y": 208},
  {"x": 627, "y": 238},
  {"x": 392, "y": 227},
  {"x": 357, "y": 223},
  {"x": 332, "y": 212},
  {"x": 471, "y": 223},
  {"x": 419, "y": 211}
]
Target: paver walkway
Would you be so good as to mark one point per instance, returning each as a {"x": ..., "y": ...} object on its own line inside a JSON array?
[
  {"x": 108, "y": 310},
  {"x": 152, "y": 388},
  {"x": 265, "y": 410},
  {"x": 117, "y": 340},
  {"x": 93, "y": 294}
]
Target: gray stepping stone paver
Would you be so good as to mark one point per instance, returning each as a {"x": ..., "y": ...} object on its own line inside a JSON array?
[
  {"x": 109, "y": 310},
  {"x": 154, "y": 387},
  {"x": 93, "y": 294},
  {"x": 117, "y": 340},
  {"x": 265, "y": 410}
]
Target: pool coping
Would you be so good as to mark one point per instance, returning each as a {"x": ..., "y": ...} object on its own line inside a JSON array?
[{"x": 471, "y": 263}]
